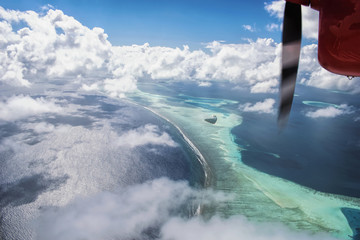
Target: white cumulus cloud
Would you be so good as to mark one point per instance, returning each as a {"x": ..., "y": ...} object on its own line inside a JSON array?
[
  {"x": 267, "y": 106},
  {"x": 268, "y": 86},
  {"x": 117, "y": 87},
  {"x": 330, "y": 112},
  {"x": 18, "y": 107},
  {"x": 248, "y": 63},
  {"x": 55, "y": 47},
  {"x": 148, "y": 134}
]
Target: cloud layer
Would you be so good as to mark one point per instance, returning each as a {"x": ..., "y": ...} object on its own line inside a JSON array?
[
  {"x": 55, "y": 45},
  {"x": 248, "y": 64},
  {"x": 310, "y": 17}
]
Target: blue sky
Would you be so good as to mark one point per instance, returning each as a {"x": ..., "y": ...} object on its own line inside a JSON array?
[{"x": 164, "y": 22}]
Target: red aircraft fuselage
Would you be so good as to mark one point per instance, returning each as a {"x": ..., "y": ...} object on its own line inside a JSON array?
[{"x": 339, "y": 34}]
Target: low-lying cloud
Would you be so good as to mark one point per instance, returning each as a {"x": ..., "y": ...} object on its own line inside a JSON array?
[
  {"x": 148, "y": 134},
  {"x": 153, "y": 210},
  {"x": 129, "y": 213},
  {"x": 18, "y": 107}
]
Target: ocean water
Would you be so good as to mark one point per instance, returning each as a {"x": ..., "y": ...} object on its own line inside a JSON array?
[{"x": 305, "y": 176}]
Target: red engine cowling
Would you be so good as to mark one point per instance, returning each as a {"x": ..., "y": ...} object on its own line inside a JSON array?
[{"x": 339, "y": 34}]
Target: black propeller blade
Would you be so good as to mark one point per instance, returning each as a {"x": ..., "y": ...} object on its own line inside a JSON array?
[{"x": 290, "y": 59}]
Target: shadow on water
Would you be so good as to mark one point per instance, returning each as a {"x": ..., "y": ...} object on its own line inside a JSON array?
[
  {"x": 27, "y": 189},
  {"x": 353, "y": 218}
]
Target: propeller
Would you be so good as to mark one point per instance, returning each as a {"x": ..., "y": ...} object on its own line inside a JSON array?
[{"x": 291, "y": 39}]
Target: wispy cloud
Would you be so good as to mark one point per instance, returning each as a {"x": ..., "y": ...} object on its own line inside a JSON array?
[
  {"x": 204, "y": 84},
  {"x": 249, "y": 28},
  {"x": 275, "y": 8},
  {"x": 47, "y": 7},
  {"x": 272, "y": 27}
]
